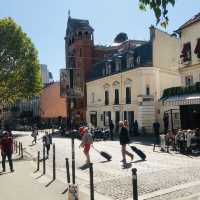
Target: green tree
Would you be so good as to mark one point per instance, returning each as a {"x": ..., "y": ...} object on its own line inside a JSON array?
[
  {"x": 159, "y": 8},
  {"x": 19, "y": 66}
]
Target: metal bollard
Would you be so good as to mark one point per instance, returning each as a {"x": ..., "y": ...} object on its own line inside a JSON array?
[
  {"x": 22, "y": 153},
  {"x": 134, "y": 182},
  {"x": 19, "y": 148},
  {"x": 73, "y": 161},
  {"x": 38, "y": 161},
  {"x": 44, "y": 160},
  {"x": 67, "y": 170},
  {"x": 91, "y": 182},
  {"x": 54, "y": 162}
]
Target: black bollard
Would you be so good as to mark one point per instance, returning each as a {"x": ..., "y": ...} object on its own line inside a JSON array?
[
  {"x": 54, "y": 162},
  {"x": 73, "y": 161},
  {"x": 22, "y": 153},
  {"x": 67, "y": 170},
  {"x": 44, "y": 160},
  {"x": 38, "y": 161},
  {"x": 19, "y": 147},
  {"x": 134, "y": 182},
  {"x": 91, "y": 182}
]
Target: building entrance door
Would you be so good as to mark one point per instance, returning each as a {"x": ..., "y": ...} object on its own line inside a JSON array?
[{"x": 93, "y": 119}]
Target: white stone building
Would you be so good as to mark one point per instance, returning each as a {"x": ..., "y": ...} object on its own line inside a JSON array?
[{"x": 130, "y": 83}]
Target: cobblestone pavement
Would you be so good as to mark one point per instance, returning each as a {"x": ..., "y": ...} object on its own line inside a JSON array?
[{"x": 160, "y": 171}]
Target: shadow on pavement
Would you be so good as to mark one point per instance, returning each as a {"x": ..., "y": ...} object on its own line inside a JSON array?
[
  {"x": 40, "y": 176},
  {"x": 48, "y": 184},
  {"x": 127, "y": 166},
  {"x": 138, "y": 161},
  {"x": 4, "y": 173},
  {"x": 65, "y": 191},
  {"x": 84, "y": 167}
]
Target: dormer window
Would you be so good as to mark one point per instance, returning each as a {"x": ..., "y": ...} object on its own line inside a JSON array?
[
  {"x": 197, "y": 48},
  {"x": 130, "y": 61},
  {"x": 186, "y": 52},
  {"x": 118, "y": 64},
  {"x": 138, "y": 60},
  {"x": 80, "y": 35},
  {"x": 108, "y": 68}
]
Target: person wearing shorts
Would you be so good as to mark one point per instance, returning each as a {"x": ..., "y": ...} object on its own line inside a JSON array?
[{"x": 86, "y": 144}]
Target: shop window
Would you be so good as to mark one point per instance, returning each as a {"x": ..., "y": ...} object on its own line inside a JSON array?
[
  {"x": 128, "y": 95},
  {"x": 116, "y": 101},
  {"x": 106, "y": 97},
  {"x": 189, "y": 80},
  {"x": 186, "y": 52}
]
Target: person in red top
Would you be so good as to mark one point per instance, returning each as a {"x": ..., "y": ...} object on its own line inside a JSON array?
[
  {"x": 6, "y": 145},
  {"x": 86, "y": 143}
]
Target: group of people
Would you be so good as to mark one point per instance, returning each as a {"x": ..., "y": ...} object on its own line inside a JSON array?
[
  {"x": 87, "y": 141},
  {"x": 6, "y": 146},
  {"x": 46, "y": 139}
]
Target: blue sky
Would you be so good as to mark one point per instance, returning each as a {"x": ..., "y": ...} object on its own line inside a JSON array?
[{"x": 45, "y": 22}]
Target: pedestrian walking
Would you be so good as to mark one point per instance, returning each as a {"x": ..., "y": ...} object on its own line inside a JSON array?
[
  {"x": 47, "y": 141},
  {"x": 86, "y": 144},
  {"x": 111, "y": 126},
  {"x": 135, "y": 128},
  {"x": 124, "y": 140},
  {"x": 34, "y": 134},
  {"x": 6, "y": 145},
  {"x": 156, "y": 130}
]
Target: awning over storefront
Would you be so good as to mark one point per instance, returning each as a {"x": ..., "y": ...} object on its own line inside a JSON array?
[{"x": 188, "y": 99}]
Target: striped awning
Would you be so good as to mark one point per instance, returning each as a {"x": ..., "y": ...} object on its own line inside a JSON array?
[{"x": 188, "y": 99}]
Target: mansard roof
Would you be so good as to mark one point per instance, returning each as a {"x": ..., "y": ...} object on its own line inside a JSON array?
[
  {"x": 78, "y": 24},
  {"x": 143, "y": 53},
  {"x": 193, "y": 20}
]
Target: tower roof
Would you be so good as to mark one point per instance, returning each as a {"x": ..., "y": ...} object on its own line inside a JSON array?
[{"x": 79, "y": 24}]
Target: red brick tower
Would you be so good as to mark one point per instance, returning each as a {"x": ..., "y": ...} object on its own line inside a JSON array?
[{"x": 79, "y": 46}]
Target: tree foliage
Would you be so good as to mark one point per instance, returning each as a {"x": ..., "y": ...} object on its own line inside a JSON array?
[
  {"x": 19, "y": 66},
  {"x": 159, "y": 8}
]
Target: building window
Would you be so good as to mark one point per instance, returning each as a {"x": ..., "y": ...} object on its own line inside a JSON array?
[
  {"x": 186, "y": 52},
  {"x": 106, "y": 97},
  {"x": 125, "y": 115},
  {"x": 116, "y": 101},
  {"x": 117, "y": 65},
  {"x": 103, "y": 72},
  {"x": 197, "y": 48},
  {"x": 189, "y": 80},
  {"x": 107, "y": 117},
  {"x": 138, "y": 60},
  {"x": 117, "y": 117},
  {"x": 130, "y": 61},
  {"x": 147, "y": 90},
  {"x": 108, "y": 68},
  {"x": 128, "y": 95}
]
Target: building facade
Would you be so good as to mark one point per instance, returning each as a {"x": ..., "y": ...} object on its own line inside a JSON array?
[
  {"x": 52, "y": 105},
  {"x": 183, "y": 103},
  {"x": 129, "y": 84}
]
